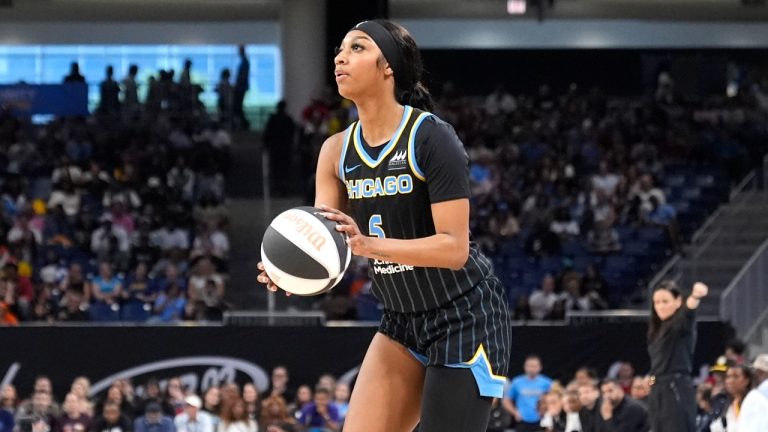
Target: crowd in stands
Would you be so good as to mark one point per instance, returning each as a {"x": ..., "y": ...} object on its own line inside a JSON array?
[
  {"x": 580, "y": 197},
  {"x": 584, "y": 402},
  {"x": 116, "y": 216},
  {"x": 618, "y": 401},
  {"x": 167, "y": 406}
]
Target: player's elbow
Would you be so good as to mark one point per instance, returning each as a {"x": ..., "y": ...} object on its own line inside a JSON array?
[{"x": 459, "y": 257}]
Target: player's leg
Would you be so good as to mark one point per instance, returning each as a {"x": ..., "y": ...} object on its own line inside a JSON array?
[
  {"x": 387, "y": 393},
  {"x": 452, "y": 402}
]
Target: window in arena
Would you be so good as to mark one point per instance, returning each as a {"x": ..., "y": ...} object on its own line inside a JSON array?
[{"x": 48, "y": 64}]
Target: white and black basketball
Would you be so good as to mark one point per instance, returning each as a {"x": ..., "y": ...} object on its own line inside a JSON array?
[{"x": 303, "y": 253}]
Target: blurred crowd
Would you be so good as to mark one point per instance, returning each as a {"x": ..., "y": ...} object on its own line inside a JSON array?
[
  {"x": 618, "y": 401},
  {"x": 584, "y": 402},
  {"x": 116, "y": 216},
  {"x": 564, "y": 183}
]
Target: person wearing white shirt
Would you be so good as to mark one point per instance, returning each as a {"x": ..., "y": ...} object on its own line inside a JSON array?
[
  {"x": 754, "y": 409},
  {"x": 192, "y": 419},
  {"x": 543, "y": 300}
]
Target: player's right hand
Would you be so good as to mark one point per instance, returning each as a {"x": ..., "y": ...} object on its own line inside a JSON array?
[{"x": 263, "y": 278}]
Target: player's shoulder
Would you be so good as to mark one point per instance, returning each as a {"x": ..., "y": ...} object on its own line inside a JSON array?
[
  {"x": 335, "y": 141},
  {"x": 433, "y": 126}
]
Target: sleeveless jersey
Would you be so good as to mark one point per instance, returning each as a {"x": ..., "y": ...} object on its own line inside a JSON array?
[{"x": 391, "y": 188}]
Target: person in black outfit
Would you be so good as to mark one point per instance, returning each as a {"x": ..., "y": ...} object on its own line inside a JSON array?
[
  {"x": 241, "y": 87},
  {"x": 278, "y": 139},
  {"x": 74, "y": 74},
  {"x": 589, "y": 414},
  {"x": 671, "y": 341},
  {"x": 619, "y": 412}
]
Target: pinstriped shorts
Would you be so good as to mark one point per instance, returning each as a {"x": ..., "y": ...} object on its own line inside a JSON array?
[{"x": 472, "y": 331}]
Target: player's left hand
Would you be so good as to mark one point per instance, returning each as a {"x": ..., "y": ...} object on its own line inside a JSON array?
[{"x": 357, "y": 241}]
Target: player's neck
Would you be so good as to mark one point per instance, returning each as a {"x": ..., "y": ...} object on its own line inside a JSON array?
[{"x": 379, "y": 120}]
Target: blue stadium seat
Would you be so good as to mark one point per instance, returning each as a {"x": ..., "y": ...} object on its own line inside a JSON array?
[
  {"x": 655, "y": 235},
  {"x": 135, "y": 311},
  {"x": 103, "y": 312}
]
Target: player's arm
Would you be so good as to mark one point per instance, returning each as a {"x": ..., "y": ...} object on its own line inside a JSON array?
[
  {"x": 329, "y": 190},
  {"x": 448, "y": 248}
]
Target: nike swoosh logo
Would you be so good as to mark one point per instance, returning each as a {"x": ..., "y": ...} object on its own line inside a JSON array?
[{"x": 348, "y": 170}]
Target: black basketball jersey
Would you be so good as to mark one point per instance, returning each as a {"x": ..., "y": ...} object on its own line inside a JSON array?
[{"x": 391, "y": 188}]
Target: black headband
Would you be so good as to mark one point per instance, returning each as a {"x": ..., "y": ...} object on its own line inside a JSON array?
[{"x": 386, "y": 43}]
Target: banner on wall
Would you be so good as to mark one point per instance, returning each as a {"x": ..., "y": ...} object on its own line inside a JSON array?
[
  {"x": 206, "y": 356},
  {"x": 56, "y": 99}
]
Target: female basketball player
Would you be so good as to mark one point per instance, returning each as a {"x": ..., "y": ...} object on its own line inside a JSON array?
[
  {"x": 397, "y": 183},
  {"x": 671, "y": 340}
]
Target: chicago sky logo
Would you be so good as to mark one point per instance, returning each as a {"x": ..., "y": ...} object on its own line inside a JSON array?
[{"x": 398, "y": 160}]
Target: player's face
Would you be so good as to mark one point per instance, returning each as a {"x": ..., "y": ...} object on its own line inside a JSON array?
[
  {"x": 665, "y": 304},
  {"x": 357, "y": 68}
]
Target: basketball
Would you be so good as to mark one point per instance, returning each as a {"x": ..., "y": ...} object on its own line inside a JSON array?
[{"x": 303, "y": 253}]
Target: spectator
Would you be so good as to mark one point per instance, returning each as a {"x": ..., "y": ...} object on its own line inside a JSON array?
[
  {"x": 589, "y": 414},
  {"x": 153, "y": 420},
  {"x": 542, "y": 241},
  {"x": 225, "y": 101},
  {"x": 106, "y": 287},
  {"x": 542, "y": 301},
  {"x": 111, "y": 420},
  {"x": 235, "y": 418},
  {"x": 341, "y": 399},
  {"x": 279, "y": 137},
  {"x": 554, "y": 417},
  {"x": 734, "y": 351},
  {"x": 7, "y": 422},
  {"x": 115, "y": 395},
  {"x": 593, "y": 281},
  {"x": 203, "y": 274},
  {"x": 252, "y": 401},
  {"x": 140, "y": 286},
  {"x": 241, "y": 87},
  {"x": 192, "y": 419},
  {"x": 605, "y": 182},
  {"x": 212, "y": 404},
  {"x": 81, "y": 386},
  {"x": 8, "y": 398},
  {"x": 621, "y": 413},
  {"x": 738, "y": 382},
  {"x": 130, "y": 90},
  {"x": 644, "y": 190},
  {"x": 169, "y": 305},
  {"x": 704, "y": 412},
  {"x": 320, "y": 413},
  {"x": 171, "y": 237},
  {"x": 603, "y": 239},
  {"x": 524, "y": 393},
  {"x": 279, "y": 385},
  {"x": 640, "y": 389},
  {"x": 274, "y": 416},
  {"x": 74, "y": 74},
  {"x": 572, "y": 406},
  {"x": 152, "y": 393},
  {"x": 110, "y": 242},
  {"x": 754, "y": 409},
  {"x": 212, "y": 243},
  {"x": 109, "y": 90},
  {"x": 303, "y": 398},
  {"x": 72, "y": 419}
]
